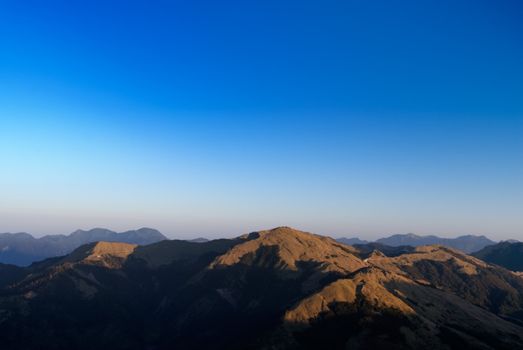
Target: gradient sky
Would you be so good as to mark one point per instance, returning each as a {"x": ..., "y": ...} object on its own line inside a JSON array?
[{"x": 216, "y": 118}]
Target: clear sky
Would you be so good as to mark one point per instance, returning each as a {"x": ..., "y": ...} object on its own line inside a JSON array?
[{"x": 215, "y": 118}]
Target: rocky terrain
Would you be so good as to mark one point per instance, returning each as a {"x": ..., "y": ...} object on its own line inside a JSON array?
[{"x": 275, "y": 289}]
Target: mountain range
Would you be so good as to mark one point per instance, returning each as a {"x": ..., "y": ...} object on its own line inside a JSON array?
[
  {"x": 23, "y": 249},
  {"x": 274, "y": 289},
  {"x": 467, "y": 243},
  {"x": 507, "y": 254}
]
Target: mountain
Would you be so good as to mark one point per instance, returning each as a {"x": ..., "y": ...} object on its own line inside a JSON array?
[
  {"x": 275, "y": 289},
  {"x": 23, "y": 249},
  {"x": 10, "y": 274},
  {"x": 351, "y": 241},
  {"x": 507, "y": 254},
  {"x": 199, "y": 240},
  {"x": 366, "y": 250},
  {"x": 468, "y": 243}
]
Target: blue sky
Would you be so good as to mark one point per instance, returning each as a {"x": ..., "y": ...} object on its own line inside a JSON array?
[{"x": 216, "y": 118}]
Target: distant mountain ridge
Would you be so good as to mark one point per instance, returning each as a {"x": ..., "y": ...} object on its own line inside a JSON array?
[
  {"x": 352, "y": 241},
  {"x": 275, "y": 289},
  {"x": 23, "y": 249},
  {"x": 508, "y": 254},
  {"x": 199, "y": 240},
  {"x": 466, "y": 243}
]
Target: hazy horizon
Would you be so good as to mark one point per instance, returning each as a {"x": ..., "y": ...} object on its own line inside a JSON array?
[
  {"x": 344, "y": 119},
  {"x": 215, "y": 234}
]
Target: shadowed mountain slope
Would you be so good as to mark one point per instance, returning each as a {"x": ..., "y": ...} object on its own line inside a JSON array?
[
  {"x": 506, "y": 254},
  {"x": 275, "y": 289}
]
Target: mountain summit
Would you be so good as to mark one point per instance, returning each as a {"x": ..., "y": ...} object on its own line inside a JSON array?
[
  {"x": 107, "y": 254},
  {"x": 279, "y": 288},
  {"x": 284, "y": 248}
]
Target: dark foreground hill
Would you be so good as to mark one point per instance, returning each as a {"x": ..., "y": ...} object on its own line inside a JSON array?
[
  {"x": 23, "y": 249},
  {"x": 506, "y": 254},
  {"x": 277, "y": 289}
]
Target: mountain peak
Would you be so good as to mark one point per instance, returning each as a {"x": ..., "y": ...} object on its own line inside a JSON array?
[
  {"x": 94, "y": 229},
  {"x": 117, "y": 249},
  {"x": 411, "y": 235},
  {"x": 304, "y": 287},
  {"x": 281, "y": 230},
  {"x": 287, "y": 249},
  {"x": 108, "y": 254}
]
